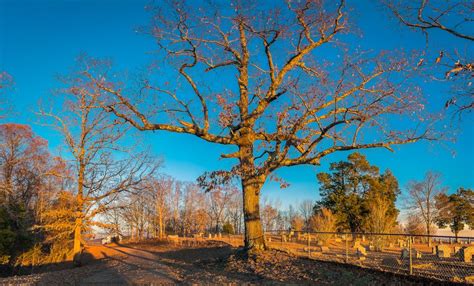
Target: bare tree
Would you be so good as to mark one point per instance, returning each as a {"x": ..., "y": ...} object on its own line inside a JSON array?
[
  {"x": 453, "y": 18},
  {"x": 162, "y": 187},
  {"x": 193, "y": 201},
  {"x": 93, "y": 140},
  {"x": 421, "y": 198},
  {"x": 219, "y": 200},
  {"x": 414, "y": 225},
  {"x": 306, "y": 210},
  {"x": 235, "y": 213},
  {"x": 281, "y": 103},
  {"x": 269, "y": 215}
]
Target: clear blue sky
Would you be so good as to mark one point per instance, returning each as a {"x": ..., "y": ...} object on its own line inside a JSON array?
[{"x": 40, "y": 39}]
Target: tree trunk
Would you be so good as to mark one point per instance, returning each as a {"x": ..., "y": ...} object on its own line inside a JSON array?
[
  {"x": 252, "y": 182},
  {"x": 254, "y": 239},
  {"x": 80, "y": 208},
  {"x": 428, "y": 231},
  {"x": 160, "y": 223},
  {"x": 77, "y": 237}
]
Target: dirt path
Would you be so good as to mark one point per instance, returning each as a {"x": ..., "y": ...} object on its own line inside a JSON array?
[{"x": 133, "y": 266}]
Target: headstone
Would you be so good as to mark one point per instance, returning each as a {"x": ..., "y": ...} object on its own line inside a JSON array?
[
  {"x": 391, "y": 262},
  {"x": 356, "y": 244},
  {"x": 457, "y": 250},
  {"x": 209, "y": 236},
  {"x": 324, "y": 249},
  {"x": 443, "y": 251},
  {"x": 405, "y": 254},
  {"x": 401, "y": 243},
  {"x": 283, "y": 238},
  {"x": 269, "y": 239},
  {"x": 418, "y": 254},
  {"x": 370, "y": 247},
  {"x": 468, "y": 253},
  {"x": 360, "y": 250},
  {"x": 220, "y": 235}
]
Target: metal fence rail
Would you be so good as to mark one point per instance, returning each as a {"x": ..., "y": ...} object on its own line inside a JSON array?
[{"x": 438, "y": 257}]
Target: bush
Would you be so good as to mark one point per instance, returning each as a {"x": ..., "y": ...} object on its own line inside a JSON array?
[
  {"x": 32, "y": 257},
  {"x": 228, "y": 228}
]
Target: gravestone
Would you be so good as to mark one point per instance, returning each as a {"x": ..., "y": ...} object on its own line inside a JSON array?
[
  {"x": 324, "y": 249},
  {"x": 370, "y": 247},
  {"x": 418, "y": 254},
  {"x": 467, "y": 253},
  {"x": 356, "y": 244},
  {"x": 360, "y": 250},
  {"x": 443, "y": 251},
  {"x": 401, "y": 243},
  {"x": 405, "y": 254},
  {"x": 457, "y": 250}
]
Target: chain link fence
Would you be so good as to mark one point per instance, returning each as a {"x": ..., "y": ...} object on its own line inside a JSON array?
[{"x": 437, "y": 257}]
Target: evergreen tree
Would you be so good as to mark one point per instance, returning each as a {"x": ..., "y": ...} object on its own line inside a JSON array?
[{"x": 359, "y": 196}]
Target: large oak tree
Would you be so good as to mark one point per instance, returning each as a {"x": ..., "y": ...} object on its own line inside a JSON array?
[{"x": 281, "y": 84}]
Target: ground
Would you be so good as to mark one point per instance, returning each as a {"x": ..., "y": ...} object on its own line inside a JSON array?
[{"x": 210, "y": 263}]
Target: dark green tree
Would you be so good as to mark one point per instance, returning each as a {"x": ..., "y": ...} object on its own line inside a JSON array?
[
  {"x": 359, "y": 195},
  {"x": 455, "y": 210}
]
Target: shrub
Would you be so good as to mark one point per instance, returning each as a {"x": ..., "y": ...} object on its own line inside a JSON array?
[{"x": 228, "y": 228}]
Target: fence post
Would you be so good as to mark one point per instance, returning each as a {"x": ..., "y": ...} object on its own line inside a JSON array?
[
  {"x": 410, "y": 255},
  {"x": 309, "y": 245},
  {"x": 347, "y": 249}
]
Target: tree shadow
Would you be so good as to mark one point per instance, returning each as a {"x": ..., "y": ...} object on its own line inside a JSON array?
[{"x": 203, "y": 260}]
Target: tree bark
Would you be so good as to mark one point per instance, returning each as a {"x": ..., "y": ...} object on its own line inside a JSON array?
[
  {"x": 252, "y": 182},
  {"x": 160, "y": 223},
  {"x": 254, "y": 235},
  {"x": 80, "y": 208},
  {"x": 77, "y": 237}
]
